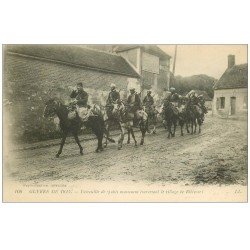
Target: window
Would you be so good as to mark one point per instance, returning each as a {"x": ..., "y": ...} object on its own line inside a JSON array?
[
  {"x": 245, "y": 102},
  {"x": 222, "y": 102}
]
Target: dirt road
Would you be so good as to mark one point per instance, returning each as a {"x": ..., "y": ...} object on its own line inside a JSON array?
[{"x": 216, "y": 156}]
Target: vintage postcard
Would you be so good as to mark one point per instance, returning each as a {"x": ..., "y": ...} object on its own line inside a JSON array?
[{"x": 125, "y": 123}]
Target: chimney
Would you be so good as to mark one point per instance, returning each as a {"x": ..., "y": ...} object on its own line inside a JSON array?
[{"x": 231, "y": 61}]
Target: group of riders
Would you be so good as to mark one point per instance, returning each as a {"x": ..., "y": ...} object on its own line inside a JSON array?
[{"x": 135, "y": 105}]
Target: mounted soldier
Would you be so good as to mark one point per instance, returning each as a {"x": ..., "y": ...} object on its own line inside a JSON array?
[
  {"x": 80, "y": 104},
  {"x": 202, "y": 103},
  {"x": 148, "y": 101},
  {"x": 173, "y": 100},
  {"x": 149, "y": 108},
  {"x": 113, "y": 97},
  {"x": 134, "y": 104}
]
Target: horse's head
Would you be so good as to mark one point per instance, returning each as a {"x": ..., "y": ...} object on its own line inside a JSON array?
[{"x": 51, "y": 108}]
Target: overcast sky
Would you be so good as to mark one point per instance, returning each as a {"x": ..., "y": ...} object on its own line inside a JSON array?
[{"x": 204, "y": 59}]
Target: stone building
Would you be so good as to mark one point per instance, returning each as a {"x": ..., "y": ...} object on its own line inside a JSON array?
[
  {"x": 230, "y": 92},
  {"x": 152, "y": 63},
  {"x": 35, "y": 73}
]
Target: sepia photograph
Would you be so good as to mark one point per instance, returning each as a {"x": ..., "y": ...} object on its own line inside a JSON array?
[{"x": 125, "y": 122}]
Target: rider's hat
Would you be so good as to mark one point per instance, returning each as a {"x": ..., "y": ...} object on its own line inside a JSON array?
[
  {"x": 149, "y": 91},
  {"x": 112, "y": 85},
  {"x": 132, "y": 88},
  {"x": 79, "y": 84},
  {"x": 172, "y": 89}
]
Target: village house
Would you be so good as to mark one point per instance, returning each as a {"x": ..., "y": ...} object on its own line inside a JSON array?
[
  {"x": 230, "y": 92},
  {"x": 35, "y": 73},
  {"x": 151, "y": 63}
]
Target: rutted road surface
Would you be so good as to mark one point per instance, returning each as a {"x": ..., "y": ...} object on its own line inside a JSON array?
[{"x": 216, "y": 156}]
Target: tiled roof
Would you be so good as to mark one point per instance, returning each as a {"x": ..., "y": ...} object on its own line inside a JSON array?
[
  {"x": 77, "y": 56},
  {"x": 152, "y": 49},
  {"x": 235, "y": 77}
]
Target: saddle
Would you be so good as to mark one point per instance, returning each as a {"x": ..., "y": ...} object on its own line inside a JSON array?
[{"x": 82, "y": 112}]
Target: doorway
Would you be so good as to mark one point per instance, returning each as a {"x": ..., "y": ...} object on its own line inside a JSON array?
[{"x": 233, "y": 105}]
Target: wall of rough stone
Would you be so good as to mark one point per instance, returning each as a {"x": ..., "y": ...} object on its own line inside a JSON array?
[{"x": 29, "y": 83}]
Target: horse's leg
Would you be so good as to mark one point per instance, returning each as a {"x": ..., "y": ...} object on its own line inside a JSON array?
[
  {"x": 195, "y": 125},
  {"x": 192, "y": 126},
  {"x": 99, "y": 138},
  {"x": 148, "y": 129},
  {"x": 133, "y": 135},
  {"x": 78, "y": 142},
  {"x": 200, "y": 123},
  {"x": 128, "y": 141},
  {"x": 182, "y": 124},
  {"x": 169, "y": 129},
  {"x": 107, "y": 133},
  {"x": 120, "y": 140},
  {"x": 175, "y": 124},
  {"x": 143, "y": 129},
  {"x": 61, "y": 145},
  {"x": 187, "y": 127}
]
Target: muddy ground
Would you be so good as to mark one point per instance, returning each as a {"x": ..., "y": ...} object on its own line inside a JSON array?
[{"x": 216, "y": 156}]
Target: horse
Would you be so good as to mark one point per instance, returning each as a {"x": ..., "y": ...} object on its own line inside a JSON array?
[
  {"x": 152, "y": 118},
  {"x": 170, "y": 114},
  {"x": 182, "y": 117},
  {"x": 73, "y": 124},
  {"x": 194, "y": 116},
  {"x": 108, "y": 121},
  {"x": 126, "y": 119}
]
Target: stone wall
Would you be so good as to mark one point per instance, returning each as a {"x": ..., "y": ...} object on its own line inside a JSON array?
[{"x": 29, "y": 83}]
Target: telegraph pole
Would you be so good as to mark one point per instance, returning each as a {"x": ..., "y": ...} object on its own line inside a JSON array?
[{"x": 175, "y": 54}]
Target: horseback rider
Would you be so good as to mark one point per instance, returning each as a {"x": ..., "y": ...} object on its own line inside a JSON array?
[
  {"x": 202, "y": 103},
  {"x": 194, "y": 103},
  {"x": 113, "y": 97},
  {"x": 134, "y": 104},
  {"x": 81, "y": 102},
  {"x": 172, "y": 99},
  {"x": 148, "y": 102},
  {"x": 81, "y": 96}
]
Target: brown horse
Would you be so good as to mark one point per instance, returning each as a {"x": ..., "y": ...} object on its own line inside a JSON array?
[
  {"x": 73, "y": 125},
  {"x": 126, "y": 119}
]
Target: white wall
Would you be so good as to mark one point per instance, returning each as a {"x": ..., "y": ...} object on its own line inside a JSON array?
[{"x": 240, "y": 94}]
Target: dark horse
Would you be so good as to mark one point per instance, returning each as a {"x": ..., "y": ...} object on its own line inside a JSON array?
[
  {"x": 126, "y": 119},
  {"x": 170, "y": 116},
  {"x": 109, "y": 120},
  {"x": 95, "y": 123},
  {"x": 194, "y": 115},
  {"x": 152, "y": 118}
]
